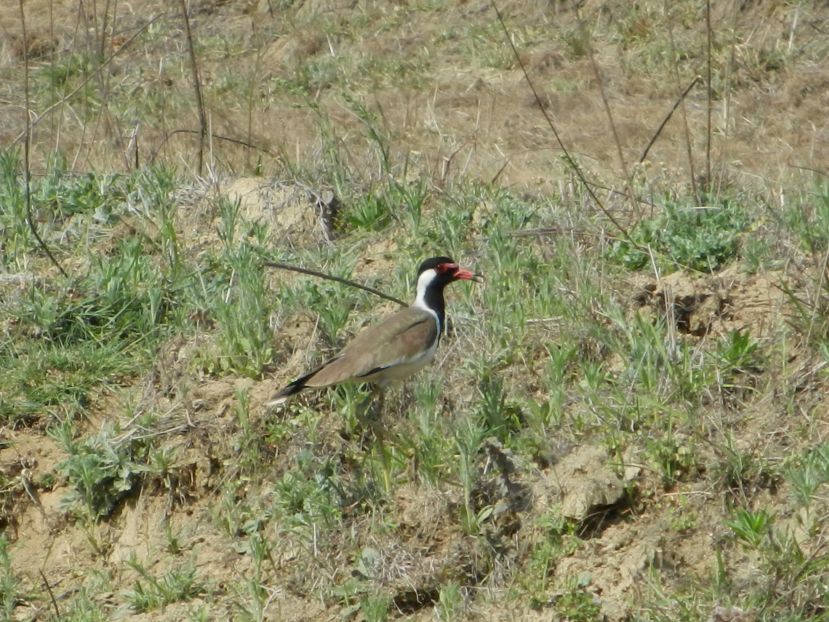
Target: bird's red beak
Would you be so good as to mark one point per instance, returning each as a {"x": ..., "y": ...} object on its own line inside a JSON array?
[{"x": 467, "y": 275}]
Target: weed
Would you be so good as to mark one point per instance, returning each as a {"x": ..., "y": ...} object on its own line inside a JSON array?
[
  {"x": 62, "y": 194},
  {"x": 395, "y": 201},
  {"x": 9, "y": 583},
  {"x": 740, "y": 471},
  {"x": 683, "y": 519},
  {"x": 83, "y": 608},
  {"x": 497, "y": 418},
  {"x": 450, "y": 601},
  {"x": 151, "y": 197},
  {"x": 429, "y": 445},
  {"x": 13, "y": 223},
  {"x": 309, "y": 494},
  {"x": 258, "y": 597},
  {"x": 332, "y": 317},
  {"x": 556, "y": 540},
  {"x": 230, "y": 514},
  {"x": 738, "y": 354},
  {"x": 750, "y": 527},
  {"x": 174, "y": 545},
  {"x": 810, "y": 221},
  {"x": 809, "y": 473},
  {"x": 101, "y": 470},
  {"x": 674, "y": 457},
  {"x": 468, "y": 438},
  {"x": 45, "y": 379},
  {"x": 700, "y": 238},
  {"x": 375, "y": 607},
  {"x": 150, "y": 593},
  {"x": 242, "y": 312},
  {"x": 59, "y": 74},
  {"x": 577, "y": 604},
  {"x": 369, "y": 212}
]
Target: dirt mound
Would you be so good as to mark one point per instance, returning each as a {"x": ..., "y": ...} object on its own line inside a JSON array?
[
  {"x": 294, "y": 214},
  {"x": 731, "y": 300}
]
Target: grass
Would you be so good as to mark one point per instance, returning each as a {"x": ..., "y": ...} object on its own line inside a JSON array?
[
  {"x": 649, "y": 400},
  {"x": 147, "y": 370},
  {"x": 9, "y": 582},
  {"x": 700, "y": 238},
  {"x": 150, "y": 592}
]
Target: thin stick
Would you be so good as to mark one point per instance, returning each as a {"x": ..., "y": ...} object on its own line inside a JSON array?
[
  {"x": 26, "y": 146},
  {"x": 86, "y": 80},
  {"x": 732, "y": 62},
  {"x": 252, "y": 90},
  {"x": 567, "y": 157},
  {"x": 49, "y": 589},
  {"x": 688, "y": 148},
  {"x": 196, "y": 85},
  {"x": 229, "y": 139},
  {"x": 606, "y": 104},
  {"x": 96, "y": 50},
  {"x": 330, "y": 277},
  {"x": 710, "y": 97},
  {"x": 811, "y": 170},
  {"x": 667, "y": 118}
]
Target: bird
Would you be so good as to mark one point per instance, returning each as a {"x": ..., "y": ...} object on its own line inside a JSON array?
[{"x": 396, "y": 347}]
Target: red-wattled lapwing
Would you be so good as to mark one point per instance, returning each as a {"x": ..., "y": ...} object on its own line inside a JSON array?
[{"x": 398, "y": 346}]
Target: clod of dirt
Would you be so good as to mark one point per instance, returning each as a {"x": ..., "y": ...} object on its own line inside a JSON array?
[
  {"x": 292, "y": 212},
  {"x": 729, "y": 300},
  {"x": 583, "y": 482},
  {"x": 426, "y": 550},
  {"x": 612, "y": 565},
  {"x": 690, "y": 305}
]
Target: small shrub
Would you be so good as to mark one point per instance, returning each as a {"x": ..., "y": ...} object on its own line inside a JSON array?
[{"x": 699, "y": 238}]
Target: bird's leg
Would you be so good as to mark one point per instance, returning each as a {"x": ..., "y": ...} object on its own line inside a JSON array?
[
  {"x": 380, "y": 437},
  {"x": 372, "y": 416},
  {"x": 369, "y": 413}
]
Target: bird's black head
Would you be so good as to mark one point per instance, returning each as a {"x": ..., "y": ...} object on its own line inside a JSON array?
[
  {"x": 446, "y": 270},
  {"x": 433, "y": 275}
]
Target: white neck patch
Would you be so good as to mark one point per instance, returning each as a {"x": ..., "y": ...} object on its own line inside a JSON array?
[{"x": 423, "y": 281}]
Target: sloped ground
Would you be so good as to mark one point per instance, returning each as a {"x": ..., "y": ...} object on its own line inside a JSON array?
[{"x": 610, "y": 432}]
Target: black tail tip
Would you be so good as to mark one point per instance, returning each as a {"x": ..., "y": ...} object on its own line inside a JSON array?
[{"x": 285, "y": 394}]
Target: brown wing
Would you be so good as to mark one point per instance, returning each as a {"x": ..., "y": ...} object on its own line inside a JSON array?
[{"x": 400, "y": 338}]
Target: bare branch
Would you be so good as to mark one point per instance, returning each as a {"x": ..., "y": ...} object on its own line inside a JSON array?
[{"x": 331, "y": 277}]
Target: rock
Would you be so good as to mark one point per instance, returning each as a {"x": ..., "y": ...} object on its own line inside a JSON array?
[{"x": 586, "y": 482}]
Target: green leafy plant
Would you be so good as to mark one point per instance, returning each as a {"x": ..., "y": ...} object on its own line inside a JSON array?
[
  {"x": 809, "y": 473},
  {"x": 375, "y": 607},
  {"x": 9, "y": 582},
  {"x": 809, "y": 221},
  {"x": 369, "y": 212},
  {"x": 675, "y": 458},
  {"x": 254, "y": 599},
  {"x": 577, "y": 604},
  {"x": 150, "y": 593},
  {"x": 556, "y": 539},
  {"x": 101, "y": 469},
  {"x": 700, "y": 238},
  {"x": 450, "y": 601},
  {"x": 309, "y": 493},
  {"x": 751, "y": 527},
  {"x": 242, "y": 312},
  {"x": 498, "y": 417}
]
